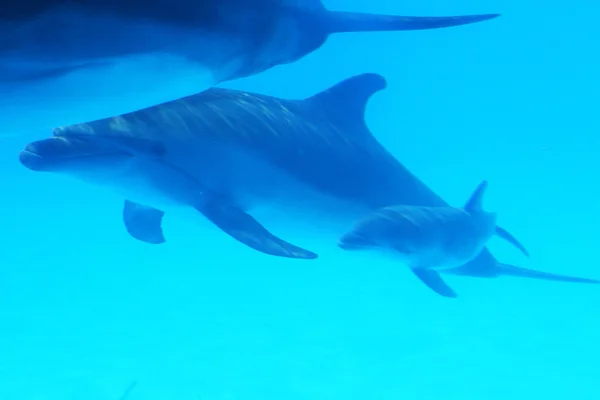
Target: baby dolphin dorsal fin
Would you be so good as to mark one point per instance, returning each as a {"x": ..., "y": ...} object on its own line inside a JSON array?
[
  {"x": 346, "y": 101},
  {"x": 475, "y": 202}
]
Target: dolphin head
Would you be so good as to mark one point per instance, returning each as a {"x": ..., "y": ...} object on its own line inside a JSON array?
[
  {"x": 62, "y": 153},
  {"x": 130, "y": 166},
  {"x": 356, "y": 240},
  {"x": 392, "y": 238},
  {"x": 370, "y": 233},
  {"x": 404, "y": 231},
  {"x": 84, "y": 158}
]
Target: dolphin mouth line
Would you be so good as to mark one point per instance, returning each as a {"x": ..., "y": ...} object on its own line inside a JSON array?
[
  {"x": 31, "y": 153},
  {"x": 76, "y": 157},
  {"x": 348, "y": 246},
  {"x": 38, "y": 162}
]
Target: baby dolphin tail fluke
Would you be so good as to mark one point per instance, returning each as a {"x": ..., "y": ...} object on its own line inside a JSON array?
[{"x": 430, "y": 239}]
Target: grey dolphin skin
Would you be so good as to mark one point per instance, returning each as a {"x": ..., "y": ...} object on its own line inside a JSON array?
[
  {"x": 225, "y": 152},
  {"x": 430, "y": 239},
  {"x": 117, "y": 56}
]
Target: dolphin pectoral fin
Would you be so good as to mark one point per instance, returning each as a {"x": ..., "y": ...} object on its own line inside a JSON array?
[
  {"x": 434, "y": 281},
  {"x": 511, "y": 270},
  {"x": 245, "y": 229},
  {"x": 32, "y": 72},
  {"x": 337, "y": 22},
  {"x": 143, "y": 223},
  {"x": 504, "y": 234}
]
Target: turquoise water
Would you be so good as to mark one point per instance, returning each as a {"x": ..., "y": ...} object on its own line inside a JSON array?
[{"x": 86, "y": 310}]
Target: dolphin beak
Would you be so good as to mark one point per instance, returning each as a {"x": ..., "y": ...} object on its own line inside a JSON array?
[
  {"x": 42, "y": 155},
  {"x": 354, "y": 241},
  {"x": 30, "y": 159},
  {"x": 346, "y": 246}
]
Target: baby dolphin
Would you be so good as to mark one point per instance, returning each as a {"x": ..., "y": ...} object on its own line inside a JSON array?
[
  {"x": 64, "y": 62},
  {"x": 430, "y": 239}
]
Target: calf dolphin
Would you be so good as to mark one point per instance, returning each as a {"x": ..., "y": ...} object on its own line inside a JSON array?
[
  {"x": 227, "y": 152},
  {"x": 429, "y": 239},
  {"x": 70, "y": 61}
]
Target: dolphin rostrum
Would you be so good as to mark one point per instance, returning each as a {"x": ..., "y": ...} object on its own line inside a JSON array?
[
  {"x": 429, "y": 239},
  {"x": 70, "y": 61},
  {"x": 226, "y": 152}
]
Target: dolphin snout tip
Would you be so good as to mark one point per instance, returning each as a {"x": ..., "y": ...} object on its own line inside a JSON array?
[
  {"x": 357, "y": 241},
  {"x": 30, "y": 160},
  {"x": 345, "y": 244}
]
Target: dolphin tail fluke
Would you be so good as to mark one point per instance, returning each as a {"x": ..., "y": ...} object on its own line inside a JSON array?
[
  {"x": 506, "y": 235},
  {"x": 338, "y": 22},
  {"x": 511, "y": 270}
]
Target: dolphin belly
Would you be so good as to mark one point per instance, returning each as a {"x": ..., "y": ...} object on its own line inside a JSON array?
[
  {"x": 241, "y": 177},
  {"x": 67, "y": 68},
  {"x": 157, "y": 185},
  {"x": 98, "y": 91},
  {"x": 259, "y": 186}
]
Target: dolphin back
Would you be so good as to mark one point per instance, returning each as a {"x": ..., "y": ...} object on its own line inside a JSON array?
[{"x": 175, "y": 11}]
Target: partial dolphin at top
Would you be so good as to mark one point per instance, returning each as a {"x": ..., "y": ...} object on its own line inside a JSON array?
[
  {"x": 72, "y": 61},
  {"x": 225, "y": 152}
]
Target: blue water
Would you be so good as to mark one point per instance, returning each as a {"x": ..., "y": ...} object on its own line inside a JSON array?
[{"x": 85, "y": 310}]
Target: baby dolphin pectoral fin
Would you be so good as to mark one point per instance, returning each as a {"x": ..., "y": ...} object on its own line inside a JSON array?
[
  {"x": 338, "y": 22},
  {"x": 244, "y": 228},
  {"x": 434, "y": 281},
  {"x": 143, "y": 223},
  {"x": 504, "y": 234}
]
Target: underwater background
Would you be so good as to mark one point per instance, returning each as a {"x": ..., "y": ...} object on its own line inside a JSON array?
[{"x": 85, "y": 310}]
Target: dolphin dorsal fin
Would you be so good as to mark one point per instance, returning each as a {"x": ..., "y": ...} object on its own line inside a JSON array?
[
  {"x": 475, "y": 202},
  {"x": 347, "y": 100}
]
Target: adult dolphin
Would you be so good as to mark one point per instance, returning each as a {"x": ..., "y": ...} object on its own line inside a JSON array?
[
  {"x": 71, "y": 61},
  {"x": 226, "y": 152}
]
